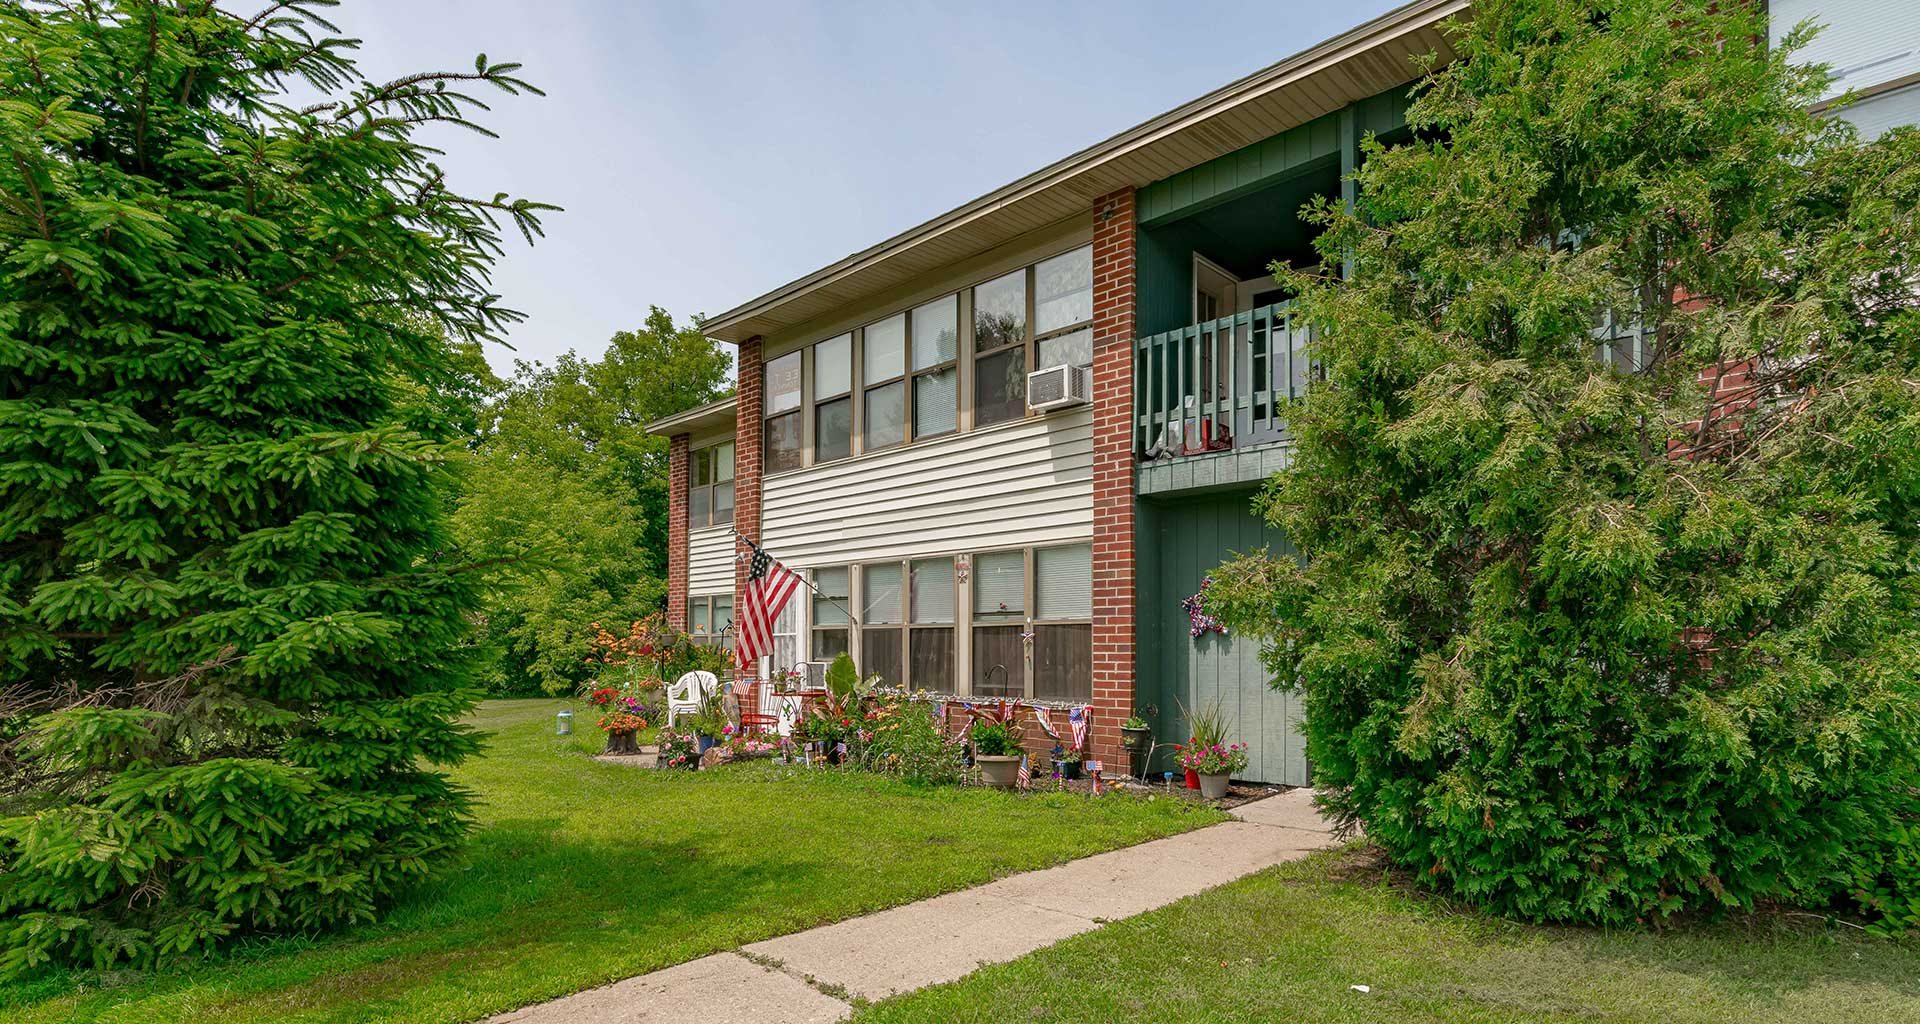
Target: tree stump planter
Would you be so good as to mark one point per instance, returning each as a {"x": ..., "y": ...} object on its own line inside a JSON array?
[{"x": 626, "y": 741}]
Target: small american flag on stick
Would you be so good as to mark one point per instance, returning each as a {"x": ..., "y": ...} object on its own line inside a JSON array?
[
  {"x": 770, "y": 586},
  {"x": 1025, "y": 778}
]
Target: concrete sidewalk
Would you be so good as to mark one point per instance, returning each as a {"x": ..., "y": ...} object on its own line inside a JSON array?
[{"x": 811, "y": 976}]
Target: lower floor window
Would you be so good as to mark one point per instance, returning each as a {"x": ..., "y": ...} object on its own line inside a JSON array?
[
  {"x": 1021, "y": 627},
  {"x": 710, "y": 620}
]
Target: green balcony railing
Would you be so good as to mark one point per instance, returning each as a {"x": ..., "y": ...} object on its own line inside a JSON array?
[{"x": 1221, "y": 384}]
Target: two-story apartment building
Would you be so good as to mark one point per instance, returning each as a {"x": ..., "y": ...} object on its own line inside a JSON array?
[{"x": 1011, "y": 441}]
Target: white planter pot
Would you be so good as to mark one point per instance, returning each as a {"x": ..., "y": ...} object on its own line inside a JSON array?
[
  {"x": 998, "y": 771},
  {"x": 1213, "y": 787}
]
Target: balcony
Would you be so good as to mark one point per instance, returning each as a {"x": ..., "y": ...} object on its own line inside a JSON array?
[{"x": 1219, "y": 385}]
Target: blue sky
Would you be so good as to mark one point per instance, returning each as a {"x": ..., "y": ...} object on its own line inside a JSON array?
[{"x": 708, "y": 152}]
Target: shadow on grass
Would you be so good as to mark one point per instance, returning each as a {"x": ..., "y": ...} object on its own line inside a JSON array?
[{"x": 1774, "y": 952}]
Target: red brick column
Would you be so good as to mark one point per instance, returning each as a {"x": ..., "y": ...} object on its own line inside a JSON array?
[
  {"x": 679, "y": 477},
  {"x": 1113, "y": 481},
  {"x": 749, "y": 435}
]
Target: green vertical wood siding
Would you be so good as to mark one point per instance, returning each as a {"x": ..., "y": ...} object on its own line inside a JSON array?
[{"x": 1180, "y": 543}]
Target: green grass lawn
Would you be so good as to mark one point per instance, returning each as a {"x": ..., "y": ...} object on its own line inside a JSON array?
[
  {"x": 1287, "y": 944},
  {"x": 581, "y": 873}
]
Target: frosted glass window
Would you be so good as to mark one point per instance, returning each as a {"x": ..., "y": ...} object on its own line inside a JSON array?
[
  {"x": 885, "y": 354},
  {"x": 1063, "y": 290},
  {"x": 833, "y": 367},
  {"x": 936, "y": 332},
  {"x": 783, "y": 383},
  {"x": 1074, "y": 349}
]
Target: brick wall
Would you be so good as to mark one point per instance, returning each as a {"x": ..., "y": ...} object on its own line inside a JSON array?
[
  {"x": 749, "y": 434},
  {"x": 1113, "y": 479},
  {"x": 679, "y": 476}
]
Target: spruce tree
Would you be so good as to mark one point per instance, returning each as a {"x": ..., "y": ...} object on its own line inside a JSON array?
[
  {"x": 1590, "y": 629},
  {"x": 232, "y": 628}
]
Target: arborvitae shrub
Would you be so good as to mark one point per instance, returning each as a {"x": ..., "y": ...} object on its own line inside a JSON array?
[{"x": 1599, "y": 640}]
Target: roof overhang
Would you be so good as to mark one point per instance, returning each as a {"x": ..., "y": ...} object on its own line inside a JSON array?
[
  {"x": 1352, "y": 66},
  {"x": 714, "y": 417}
]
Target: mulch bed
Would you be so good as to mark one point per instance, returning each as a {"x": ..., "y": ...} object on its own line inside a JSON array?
[{"x": 1238, "y": 793}]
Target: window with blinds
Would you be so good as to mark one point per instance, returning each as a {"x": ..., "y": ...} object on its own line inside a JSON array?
[
  {"x": 932, "y": 609},
  {"x": 1063, "y": 582},
  {"x": 830, "y": 629},
  {"x": 1000, "y": 585}
]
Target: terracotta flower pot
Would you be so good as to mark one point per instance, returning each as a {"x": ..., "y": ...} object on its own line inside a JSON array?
[
  {"x": 997, "y": 770},
  {"x": 1213, "y": 787}
]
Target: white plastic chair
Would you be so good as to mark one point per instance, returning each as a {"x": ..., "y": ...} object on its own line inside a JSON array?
[{"x": 689, "y": 694}]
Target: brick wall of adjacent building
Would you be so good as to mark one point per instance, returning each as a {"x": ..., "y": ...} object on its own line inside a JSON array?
[
  {"x": 749, "y": 434},
  {"x": 1113, "y": 472},
  {"x": 678, "y": 478}
]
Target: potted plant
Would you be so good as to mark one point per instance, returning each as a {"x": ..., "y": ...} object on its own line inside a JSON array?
[
  {"x": 1216, "y": 765},
  {"x": 1135, "y": 734},
  {"x": 677, "y": 749},
  {"x": 996, "y": 744},
  {"x": 1206, "y": 728},
  {"x": 1066, "y": 763}
]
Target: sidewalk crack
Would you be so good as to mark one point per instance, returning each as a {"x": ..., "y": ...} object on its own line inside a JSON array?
[{"x": 826, "y": 988}]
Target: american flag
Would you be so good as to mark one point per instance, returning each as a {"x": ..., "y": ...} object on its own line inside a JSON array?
[
  {"x": 1081, "y": 718},
  {"x": 769, "y": 586},
  {"x": 1025, "y": 778}
]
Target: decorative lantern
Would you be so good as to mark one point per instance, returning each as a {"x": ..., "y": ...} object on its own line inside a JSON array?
[{"x": 563, "y": 724}]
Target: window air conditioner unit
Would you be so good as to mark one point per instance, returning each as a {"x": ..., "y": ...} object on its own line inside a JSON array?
[{"x": 1058, "y": 387}]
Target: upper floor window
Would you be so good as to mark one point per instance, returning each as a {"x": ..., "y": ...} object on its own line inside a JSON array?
[
  {"x": 936, "y": 367},
  {"x": 883, "y": 362},
  {"x": 783, "y": 413},
  {"x": 1063, "y": 309},
  {"x": 710, "y": 499},
  {"x": 906, "y": 376},
  {"x": 1000, "y": 349},
  {"x": 833, "y": 399}
]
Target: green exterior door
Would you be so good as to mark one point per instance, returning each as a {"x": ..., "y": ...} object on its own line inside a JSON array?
[{"x": 1180, "y": 542}]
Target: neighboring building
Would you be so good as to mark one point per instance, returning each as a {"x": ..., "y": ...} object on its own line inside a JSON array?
[
  {"x": 1870, "y": 47},
  {"x": 1015, "y": 438}
]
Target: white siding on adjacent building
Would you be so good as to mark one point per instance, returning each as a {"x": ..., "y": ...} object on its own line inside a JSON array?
[
  {"x": 1865, "y": 44},
  {"x": 710, "y": 561},
  {"x": 1025, "y": 484}
]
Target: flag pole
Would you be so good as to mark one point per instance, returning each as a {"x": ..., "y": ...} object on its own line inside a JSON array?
[{"x": 804, "y": 580}]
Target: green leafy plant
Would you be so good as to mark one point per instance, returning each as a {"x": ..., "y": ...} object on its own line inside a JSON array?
[
  {"x": 842, "y": 678},
  {"x": 1207, "y": 727},
  {"x": 994, "y": 739},
  {"x": 236, "y": 329},
  {"x": 1612, "y": 628},
  {"x": 905, "y": 740},
  {"x": 1134, "y": 721}
]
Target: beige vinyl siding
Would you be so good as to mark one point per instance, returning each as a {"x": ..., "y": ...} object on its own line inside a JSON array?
[
  {"x": 1025, "y": 484},
  {"x": 710, "y": 561}
]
